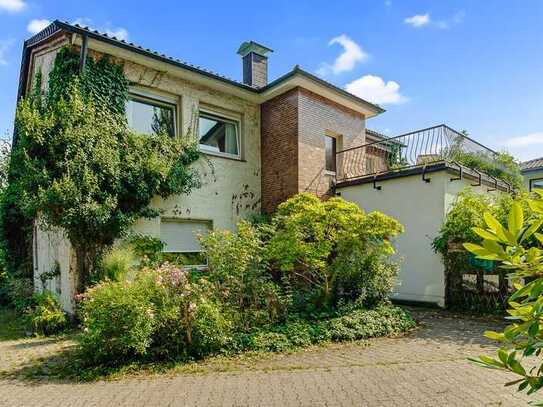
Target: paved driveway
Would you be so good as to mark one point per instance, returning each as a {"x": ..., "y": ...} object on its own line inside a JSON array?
[{"x": 426, "y": 368}]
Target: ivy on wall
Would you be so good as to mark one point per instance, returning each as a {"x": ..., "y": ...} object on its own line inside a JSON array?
[
  {"x": 79, "y": 166},
  {"x": 103, "y": 79}
]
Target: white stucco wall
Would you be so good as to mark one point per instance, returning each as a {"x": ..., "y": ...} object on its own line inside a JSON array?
[
  {"x": 421, "y": 207},
  {"x": 230, "y": 188}
]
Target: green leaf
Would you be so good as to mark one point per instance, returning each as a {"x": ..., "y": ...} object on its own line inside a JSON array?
[
  {"x": 475, "y": 248},
  {"x": 517, "y": 368},
  {"x": 485, "y": 234},
  {"x": 536, "y": 206},
  {"x": 503, "y": 234},
  {"x": 534, "y": 227},
  {"x": 516, "y": 219},
  {"x": 496, "y": 336},
  {"x": 492, "y": 363}
]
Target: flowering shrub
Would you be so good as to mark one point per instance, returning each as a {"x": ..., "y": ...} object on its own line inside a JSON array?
[
  {"x": 308, "y": 276},
  {"x": 160, "y": 314}
]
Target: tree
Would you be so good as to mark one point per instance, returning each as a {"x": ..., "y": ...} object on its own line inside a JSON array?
[
  {"x": 80, "y": 168},
  {"x": 509, "y": 245}
]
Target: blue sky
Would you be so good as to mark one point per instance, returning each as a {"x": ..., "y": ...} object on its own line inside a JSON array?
[{"x": 475, "y": 65}]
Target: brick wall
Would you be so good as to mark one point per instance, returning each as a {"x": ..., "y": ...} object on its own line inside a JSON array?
[
  {"x": 255, "y": 70},
  {"x": 279, "y": 154},
  {"x": 319, "y": 117},
  {"x": 293, "y": 155}
]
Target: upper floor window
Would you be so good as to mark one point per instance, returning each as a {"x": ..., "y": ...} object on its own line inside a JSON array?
[
  {"x": 330, "y": 153},
  {"x": 218, "y": 134},
  {"x": 149, "y": 116}
]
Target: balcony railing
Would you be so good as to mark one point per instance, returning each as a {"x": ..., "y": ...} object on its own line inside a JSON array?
[{"x": 414, "y": 149}]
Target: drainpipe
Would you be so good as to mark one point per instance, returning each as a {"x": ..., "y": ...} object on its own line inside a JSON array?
[{"x": 83, "y": 54}]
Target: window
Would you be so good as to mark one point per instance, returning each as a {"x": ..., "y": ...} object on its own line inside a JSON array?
[
  {"x": 181, "y": 245},
  {"x": 218, "y": 134},
  {"x": 536, "y": 184},
  {"x": 330, "y": 153},
  {"x": 147, "y": 116}
]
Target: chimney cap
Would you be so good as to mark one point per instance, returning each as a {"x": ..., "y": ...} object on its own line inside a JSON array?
[{"x": 250, "y": 46}]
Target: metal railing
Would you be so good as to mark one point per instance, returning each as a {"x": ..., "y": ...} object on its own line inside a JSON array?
[{"x": 417, "y": 148}]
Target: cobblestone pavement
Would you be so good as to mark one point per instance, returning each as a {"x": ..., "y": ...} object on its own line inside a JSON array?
[{"x": 426, "y": 368}]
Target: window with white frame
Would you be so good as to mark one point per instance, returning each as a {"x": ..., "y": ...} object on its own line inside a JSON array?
[
  {"x": 218, "y": 134},
  {"x": 181, "y": 244},
  {"x": 150, "y": 116}
]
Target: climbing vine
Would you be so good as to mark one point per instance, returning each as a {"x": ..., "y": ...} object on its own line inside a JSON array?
[{"x": 79, "y": 166}]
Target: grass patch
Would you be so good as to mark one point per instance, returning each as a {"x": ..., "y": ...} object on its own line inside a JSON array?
[{"x": 12, "y": 325}]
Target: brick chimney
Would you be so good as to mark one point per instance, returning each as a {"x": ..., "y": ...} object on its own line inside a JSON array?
[{"x": 255, "y": 63}]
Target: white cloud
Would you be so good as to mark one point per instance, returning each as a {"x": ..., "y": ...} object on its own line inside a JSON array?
[
  {"x": 12, "y": 6},
  {"x": 5, "y": 46},
  {"x": 347, "y": 60},
  {"x": 524, "y": 141},
  {"x": 36, "y": 25},
  {"x": 419, "y": 20},
  {"x": 374, "y": 89},
  {"x": 119, "y": 32},
  {"x": 525, "y": 147}
]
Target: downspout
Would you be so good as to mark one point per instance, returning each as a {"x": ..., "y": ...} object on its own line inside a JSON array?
[{"x": 83, "y": 54}]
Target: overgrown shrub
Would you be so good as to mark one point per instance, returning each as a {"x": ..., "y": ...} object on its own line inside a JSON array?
[
  {"x": 160, "y": 314},
  {"x": 352, "y": 324},
  {"x": 117, "y": 263},
  {"x": 118, "y": 320},
  {"x": 20, "y": 292},
  {"x": 319, "y": 271},
  {"x": 362, "y": 324},
  {"x": 45, "y": 315},
  {"x": 240, "y": 277},
  {"x": 318, "y": 246}
]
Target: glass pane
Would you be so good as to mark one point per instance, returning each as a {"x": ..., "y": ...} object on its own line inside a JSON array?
[
  {"x": 218, "y": 135},
  {"x": 148, "y": 118},
  {"x": 179, "y": 236},
  {"x": 330, "y": 153},
  {"x": 536, "y": 184}
]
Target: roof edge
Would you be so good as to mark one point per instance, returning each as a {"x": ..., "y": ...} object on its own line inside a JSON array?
[{"x": 58, "y": 25}]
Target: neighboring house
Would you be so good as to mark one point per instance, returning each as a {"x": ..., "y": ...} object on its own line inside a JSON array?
[
  {"x": 533, "y": 173},
  {"x": 266, "y": 141}
]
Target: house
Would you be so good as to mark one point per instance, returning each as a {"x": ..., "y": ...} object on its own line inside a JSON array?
[
  {"x": 533, "y": 173},
  {"x": 265, "y": 141}
]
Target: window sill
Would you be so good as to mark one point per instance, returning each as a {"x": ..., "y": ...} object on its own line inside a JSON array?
[{"x": 219, "y": 155}]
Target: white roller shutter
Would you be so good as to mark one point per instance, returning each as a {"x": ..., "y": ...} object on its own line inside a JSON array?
[{"x": 181, "y": 236}]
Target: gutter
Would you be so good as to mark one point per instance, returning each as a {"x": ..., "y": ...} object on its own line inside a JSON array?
[{"x": 146, "y": 52}]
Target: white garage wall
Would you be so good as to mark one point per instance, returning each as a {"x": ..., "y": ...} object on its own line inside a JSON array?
[{"x": 421, "y": 207}]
